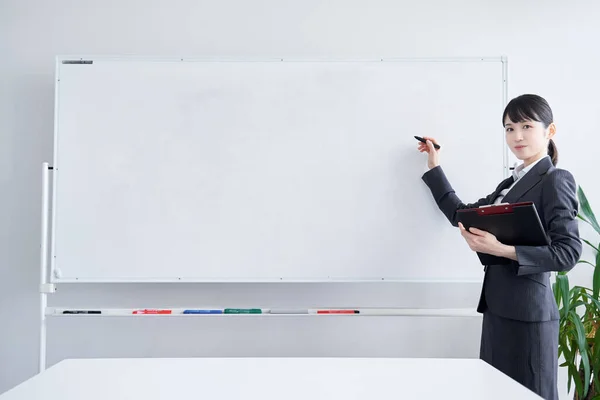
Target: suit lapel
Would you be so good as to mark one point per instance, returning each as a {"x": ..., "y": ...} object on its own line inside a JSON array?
[
  {"x": 505, "y": 184},
  {"x": 527, "y": 182}
]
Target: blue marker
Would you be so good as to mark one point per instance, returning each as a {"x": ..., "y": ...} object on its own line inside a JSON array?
[{"x": 203, "y": 311}]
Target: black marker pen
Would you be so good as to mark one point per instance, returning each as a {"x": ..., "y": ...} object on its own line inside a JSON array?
[
  {"x": 420, "y": 139},
  {"x": 82, "y": 312}
]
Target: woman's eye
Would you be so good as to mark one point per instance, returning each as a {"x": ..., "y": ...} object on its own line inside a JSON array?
[
  {"x": 527, "y": 127},
  {"x": 509, "y": 129}
]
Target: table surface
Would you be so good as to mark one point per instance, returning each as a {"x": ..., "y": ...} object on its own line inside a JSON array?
[{"x": 269, "y": 379}]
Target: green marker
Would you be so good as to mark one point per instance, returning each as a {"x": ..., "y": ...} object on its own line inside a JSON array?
[{"x": 243, "y": 311}]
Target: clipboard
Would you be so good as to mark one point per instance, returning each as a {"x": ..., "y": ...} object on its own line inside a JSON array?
[{"x": 516, "y": 224}]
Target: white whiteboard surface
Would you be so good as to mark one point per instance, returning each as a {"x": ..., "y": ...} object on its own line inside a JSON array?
[{"x": 195, "y": 170}]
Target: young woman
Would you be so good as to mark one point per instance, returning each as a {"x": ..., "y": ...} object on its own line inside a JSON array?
[{"x": 520, "y": 317}]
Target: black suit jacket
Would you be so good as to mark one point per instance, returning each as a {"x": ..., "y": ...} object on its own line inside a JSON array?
[{"x": 521, "y": 290}]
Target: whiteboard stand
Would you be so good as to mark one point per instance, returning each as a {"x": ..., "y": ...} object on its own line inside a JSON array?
[{"x": 45, "y": 287}]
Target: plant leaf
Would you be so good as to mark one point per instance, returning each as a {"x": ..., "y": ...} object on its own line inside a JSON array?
[
  {"x": 576, "y": 293},
  {"x": 583, "y": 219},
  {"x": 596, "y": 352},
  {"x": 595, "y": 302},
  {"x": 573, "y": 374},
  {"x": 585, "y": 262},
  {"x": 556, "y": 289},
  {"x": 569, "y": 356},
  {"x": 586, "y": 209},
  {"x": 564, "y": 349},
  {"x": 583, "y": 349},
  {"x": 566, "y": 344},
  {"x": 563, "y": 284},
  {"x": 577, "y": 304},
  {"x": 563, "y": 345},
  {"x": 596, "y": 361},
  {"x": 596, "y": 380},
  {"x": 596, "y": 282},
  {"x": 591, "y": 245}
]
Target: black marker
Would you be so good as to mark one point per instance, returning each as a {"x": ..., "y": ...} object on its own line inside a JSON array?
[
  {"x": 420, "y": 139},
  {"x": 81, "y": 312}
]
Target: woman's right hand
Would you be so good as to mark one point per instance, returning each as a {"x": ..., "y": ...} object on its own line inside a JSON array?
[{"x": 433, "y": 155}]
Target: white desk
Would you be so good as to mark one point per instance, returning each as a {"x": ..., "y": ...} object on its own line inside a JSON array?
[{"x": 270, "y": 379}]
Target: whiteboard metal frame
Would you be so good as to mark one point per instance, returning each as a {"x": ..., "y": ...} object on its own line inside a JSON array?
[
  {"x": 266, "y": 280},
  {"x": 98, "y": 57},
  {"x": 55, "y": 276}
]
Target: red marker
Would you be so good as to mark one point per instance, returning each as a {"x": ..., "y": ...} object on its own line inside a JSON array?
[
  {"x": 146, "y": 311},
  {"x": 338, "y": 312}
]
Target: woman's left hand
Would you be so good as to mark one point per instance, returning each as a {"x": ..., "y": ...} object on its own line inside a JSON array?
[{"x": 481, "y": 241}]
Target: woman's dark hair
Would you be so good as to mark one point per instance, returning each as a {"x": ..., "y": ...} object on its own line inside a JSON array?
[{"x": 535, "y": 108}]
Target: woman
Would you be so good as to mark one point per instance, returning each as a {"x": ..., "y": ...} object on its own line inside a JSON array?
[{"x": 520, "y": 317}]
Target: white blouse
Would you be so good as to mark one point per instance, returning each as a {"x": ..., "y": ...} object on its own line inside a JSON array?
[{"x": 518, "y": 173}]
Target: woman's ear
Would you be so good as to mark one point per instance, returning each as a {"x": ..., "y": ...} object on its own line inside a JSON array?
[{"x": 551, "y": 131}]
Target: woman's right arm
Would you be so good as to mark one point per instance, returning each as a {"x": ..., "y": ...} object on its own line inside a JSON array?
[
  {"x": 441, "y": 189},
  {"x": 445, "y": 197}
]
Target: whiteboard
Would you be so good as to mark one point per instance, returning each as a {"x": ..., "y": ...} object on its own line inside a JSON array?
[{"x": 268, "y": 170}]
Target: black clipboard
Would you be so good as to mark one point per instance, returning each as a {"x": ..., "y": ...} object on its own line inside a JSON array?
[{"x": 516, "y": 224}]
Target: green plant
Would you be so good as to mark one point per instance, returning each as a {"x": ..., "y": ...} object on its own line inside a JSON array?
[{"x": 579, "y": 336}]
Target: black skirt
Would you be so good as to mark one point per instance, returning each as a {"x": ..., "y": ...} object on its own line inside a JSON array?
[{"x": 525, "y": 351}]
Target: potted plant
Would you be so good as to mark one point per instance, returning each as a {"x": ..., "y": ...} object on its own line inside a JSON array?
[{"x": 579, "y": 336}]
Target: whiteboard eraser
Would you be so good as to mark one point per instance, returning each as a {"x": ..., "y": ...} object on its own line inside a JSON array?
[{"x": 57, "y": 273}]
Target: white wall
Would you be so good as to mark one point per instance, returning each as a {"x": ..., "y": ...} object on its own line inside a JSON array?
[{"x": 551, "y": 50}]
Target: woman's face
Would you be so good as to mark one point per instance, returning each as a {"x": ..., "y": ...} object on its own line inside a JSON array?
[{"x": 528, "y": 140}]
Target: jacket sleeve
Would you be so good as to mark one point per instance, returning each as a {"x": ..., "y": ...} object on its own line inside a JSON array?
[
  {"x": 560, "y": 209},
  {"x": 445, "y": 197}
]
